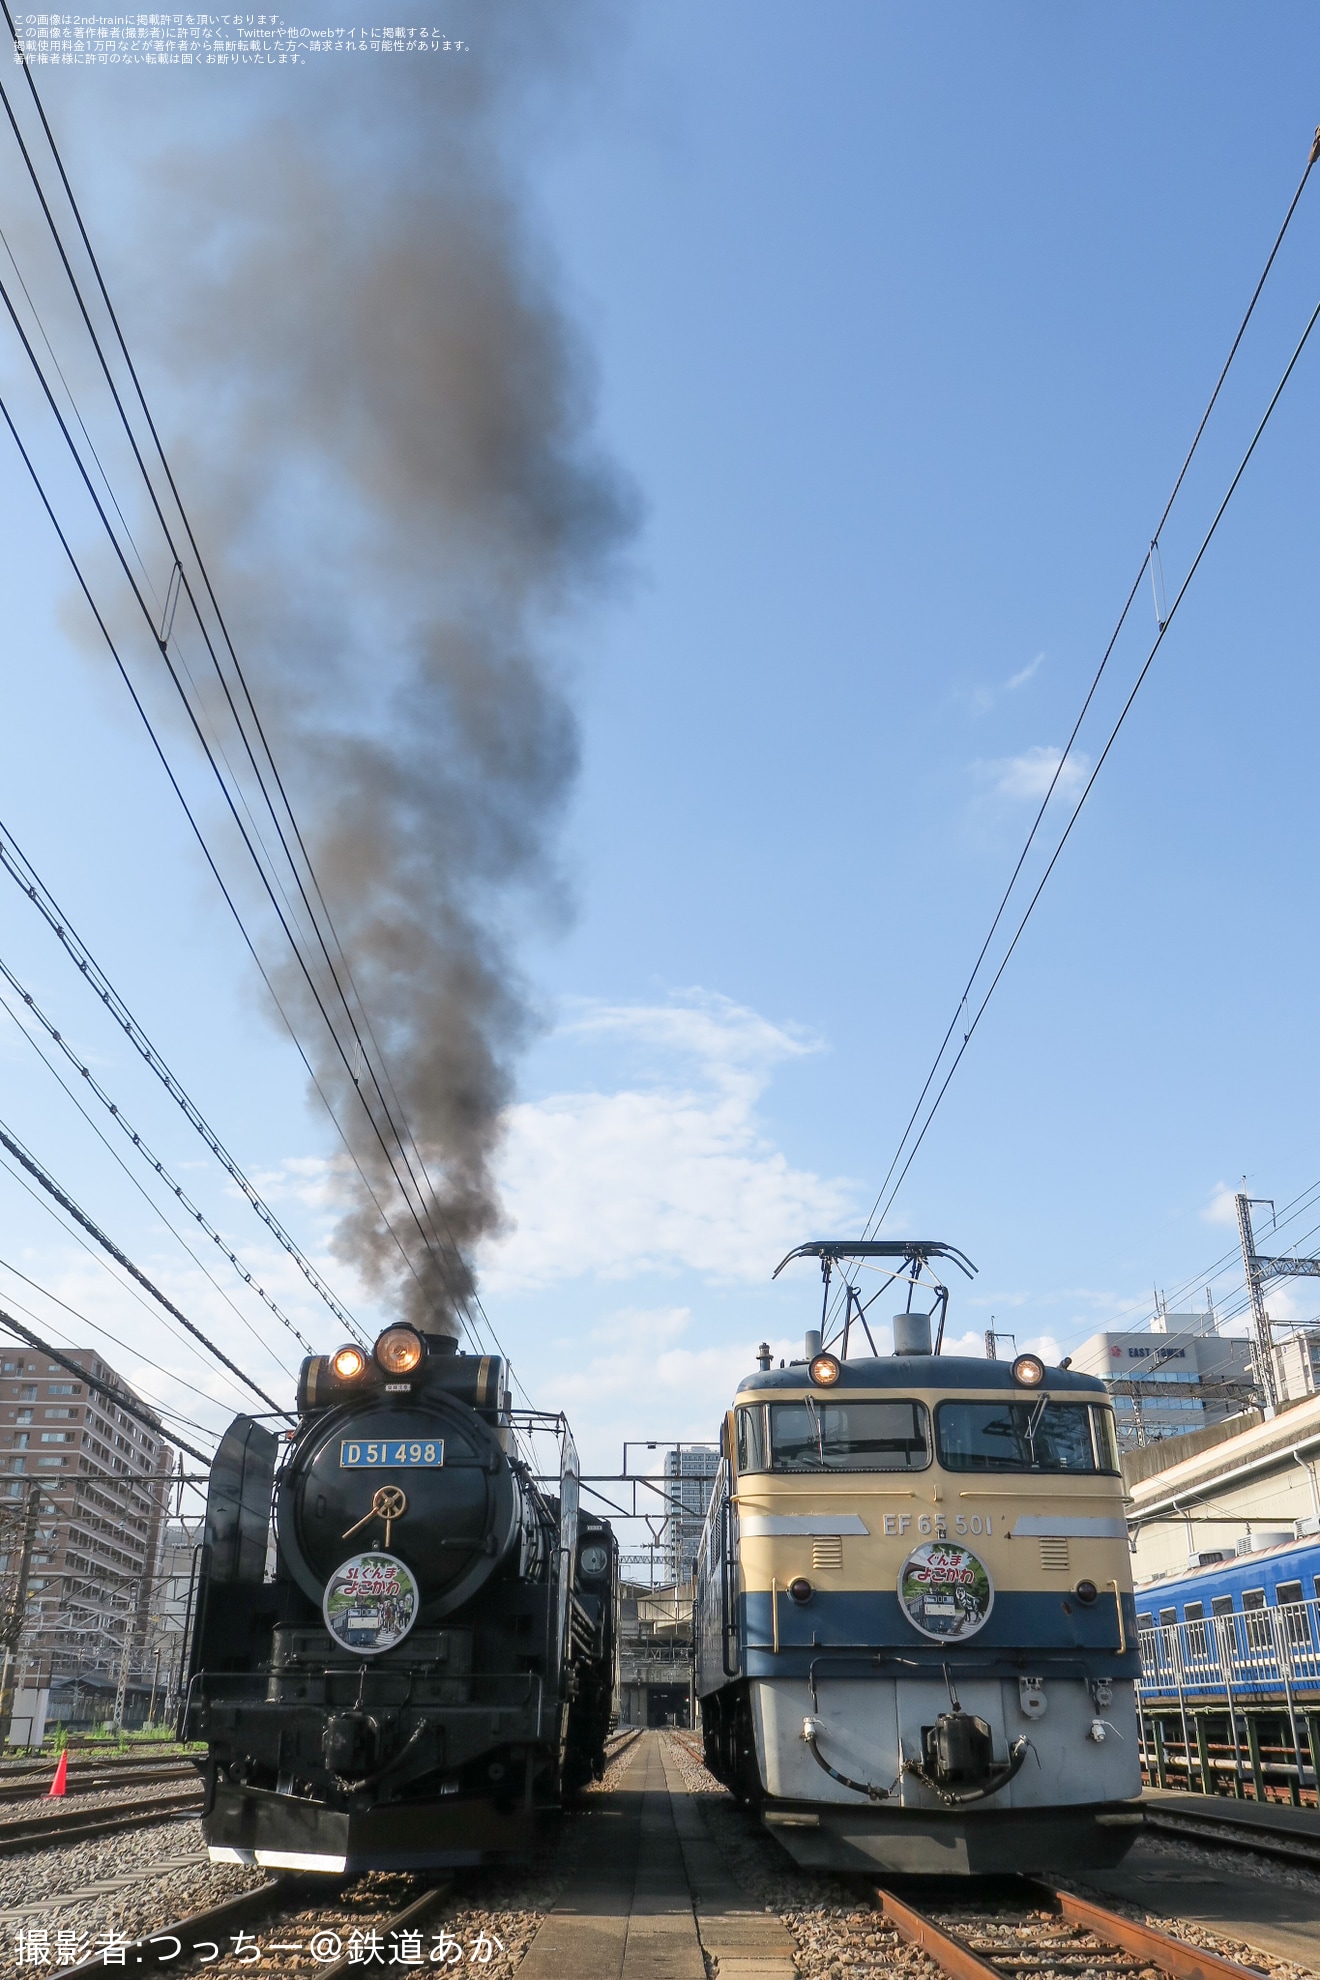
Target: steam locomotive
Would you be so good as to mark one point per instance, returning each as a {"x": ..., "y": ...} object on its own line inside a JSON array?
[{"x": 403, "y": 1643}]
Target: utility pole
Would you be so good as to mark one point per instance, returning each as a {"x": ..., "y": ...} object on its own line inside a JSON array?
[
  {"x": 14, "y": 1612},
  {"x": 121, "y": 1689},
  {"x": 1259, "y": 1271}
]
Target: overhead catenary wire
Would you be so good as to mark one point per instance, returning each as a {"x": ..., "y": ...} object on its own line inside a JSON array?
[
  {"x": 20, "y": 869},
  {"x": 95, "y": 1327},
  {"x": 462, "y": 1296},
  {"x": 233, "y": 805},
  {"x": 903, "y": 1153},
  {"x": 153, "y": 1161},
  {"x": 42, "y": 1175},
  {"x": 156, "y": 1209},
  {"x": 122, "y": 1398}
]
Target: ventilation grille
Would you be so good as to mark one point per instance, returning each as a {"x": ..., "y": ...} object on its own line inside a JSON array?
[
  {"x": 827, "y": 1551},
  {"x": 1054, "y": 1556}
]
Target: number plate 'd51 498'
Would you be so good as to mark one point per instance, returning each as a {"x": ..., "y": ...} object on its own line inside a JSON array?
[{"x": 355, "y": 1454}]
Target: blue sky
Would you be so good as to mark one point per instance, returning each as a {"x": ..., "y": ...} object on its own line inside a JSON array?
[{"x": 901, "y": 320}]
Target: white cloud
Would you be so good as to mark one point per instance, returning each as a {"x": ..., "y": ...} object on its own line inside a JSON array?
[
  {"x": 1030, "y": 774},
  {"x": 643, "y": 1354},
  {"x": 1023, "y": 675},
  {"x": 667, "y": 1173},
  {"x": 982, "y": 699},
  {"x": 1221, "y": 1209}
]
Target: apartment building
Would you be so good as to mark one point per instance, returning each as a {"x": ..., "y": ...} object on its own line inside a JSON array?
[{"x": 104, "y": 1478}]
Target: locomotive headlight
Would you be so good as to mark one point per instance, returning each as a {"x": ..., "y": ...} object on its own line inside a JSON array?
[
  {"x": 399, "y": 1350},
  {"x": 824, "y": 1370},
  {"x": 349, "y": 1363},
  {"x": 1029, "y": 1370}
]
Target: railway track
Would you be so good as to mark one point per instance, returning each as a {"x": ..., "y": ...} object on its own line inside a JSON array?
[
  {"x": 1284, "y": 1844},
  {"x": 33, "y": 1787},
  {"x": 1031, "y": 1928},
  {"x": 63, "y": 1824},
  {"x": 314, "y": 1930}
]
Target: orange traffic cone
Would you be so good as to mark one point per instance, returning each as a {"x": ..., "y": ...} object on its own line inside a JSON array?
[{"x": 61, "y": 1781}]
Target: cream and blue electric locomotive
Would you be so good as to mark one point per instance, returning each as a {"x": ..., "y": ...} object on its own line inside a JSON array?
[{"x": 916, "y": 1636}]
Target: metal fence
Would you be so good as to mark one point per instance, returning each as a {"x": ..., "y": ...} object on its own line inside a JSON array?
[{"x": 1252, "y": 1655}]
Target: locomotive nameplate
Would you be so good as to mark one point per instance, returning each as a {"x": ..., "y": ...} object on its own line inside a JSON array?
[{"x": 359, "y": 1453}]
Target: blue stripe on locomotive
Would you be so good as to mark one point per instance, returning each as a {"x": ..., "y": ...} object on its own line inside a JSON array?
[
  {"x": 1026, "y": 1632},
  {"x": 1297, "y": 1561}
]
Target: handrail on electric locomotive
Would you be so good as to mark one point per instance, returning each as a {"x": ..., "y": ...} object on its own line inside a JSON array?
[
  {"x": 916, "y": 1639},
  {"x": 403, "y": 1645}
]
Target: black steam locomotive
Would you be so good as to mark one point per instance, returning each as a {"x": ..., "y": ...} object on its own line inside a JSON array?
[{"x": 418, "y": 1657}]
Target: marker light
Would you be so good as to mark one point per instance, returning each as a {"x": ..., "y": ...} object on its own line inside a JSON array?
[
  {"x": 1029, "y": 1370},
  {"x": 349, "y": 1363},
  {"x": 824, "y": 1370},
  {"x": 398, "y": 1350},
  {"x": 800, "y": 1588}
]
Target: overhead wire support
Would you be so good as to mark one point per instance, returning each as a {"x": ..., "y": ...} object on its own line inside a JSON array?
[
  {"x": 1150, "y": 563},
  {"x": 426, "y": 1197}
]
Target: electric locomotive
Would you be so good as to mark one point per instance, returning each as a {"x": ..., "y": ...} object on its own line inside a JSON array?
[
  {"x": 916, "y": 1637},
  {"x": 403, "y": 1645}
]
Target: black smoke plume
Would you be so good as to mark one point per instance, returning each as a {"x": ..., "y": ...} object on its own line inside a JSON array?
[{"x": 398, "y": 488}]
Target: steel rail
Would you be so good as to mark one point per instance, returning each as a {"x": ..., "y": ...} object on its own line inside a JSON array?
[
  {"x": 1155, "y": 1948},
  {"x": 1262, "y": 1839},
  {"x": 211, "y": 1927},
  {"x": 34, "y": 1786},
  {"x": 1172, "y": 1955},
  {"x": 81, "y": 1824}
]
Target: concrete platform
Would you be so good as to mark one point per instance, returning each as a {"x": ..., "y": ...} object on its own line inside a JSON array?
[
  {"x": 652, "y": 1895},
  {"x": 1258, "y": 1911}
]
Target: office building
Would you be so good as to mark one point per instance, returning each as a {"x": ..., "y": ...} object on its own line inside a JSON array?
[{"x": 689, "y": 1477}]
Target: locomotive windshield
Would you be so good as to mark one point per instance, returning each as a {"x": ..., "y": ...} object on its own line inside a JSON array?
[
  {"x": 834, "y": 1436},
  {"x": 1026, "y": 1436}
]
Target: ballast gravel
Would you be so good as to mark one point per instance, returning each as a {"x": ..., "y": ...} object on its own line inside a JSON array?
[{"x": 53, "y": 1870}]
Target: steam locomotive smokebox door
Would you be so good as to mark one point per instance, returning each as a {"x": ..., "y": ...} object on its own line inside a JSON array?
[{"x": 430, "y": 1475}]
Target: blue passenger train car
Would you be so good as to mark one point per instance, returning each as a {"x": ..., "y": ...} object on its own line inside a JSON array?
[{"x": 1238, "y": 1630}]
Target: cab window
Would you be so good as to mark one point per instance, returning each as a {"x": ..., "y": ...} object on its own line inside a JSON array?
[
  {"x": 751, "y": 1437},
  {"x": 1025, "y": 1436},
  {"x": 814, "y": 1435}
]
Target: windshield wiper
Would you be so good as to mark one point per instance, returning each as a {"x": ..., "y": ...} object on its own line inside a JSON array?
[{"x": 1033, "y": 1425}]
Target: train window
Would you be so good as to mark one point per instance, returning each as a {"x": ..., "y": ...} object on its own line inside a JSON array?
[
  {"x": 751, "y": 1438},
  {"x": 1106, "y": 1438},
  {"x": 1017, "y": 1436},
  {"x": 1288, "y": 1595},
  {"x": 1145, "y": 1620},
  {"x": 1168, "y": 1617},
  {"x": 849, "y": 1436},
  {"x": 1195, "y": 1612},
  {"x": 1253, "y": 1598},
  {"x": 1221, "y": 1605}
]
